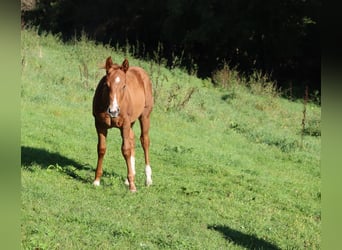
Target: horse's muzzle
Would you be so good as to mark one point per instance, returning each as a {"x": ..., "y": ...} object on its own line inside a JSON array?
[{"x": 113, "y": 113}]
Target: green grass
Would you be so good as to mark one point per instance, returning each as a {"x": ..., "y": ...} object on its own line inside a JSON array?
[{"x": 231, "y": 169}]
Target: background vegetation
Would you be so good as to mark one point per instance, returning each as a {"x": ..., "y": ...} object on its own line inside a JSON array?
[
  {"x": 278, "y": 38},
  {"x": 235, "y": 165}
]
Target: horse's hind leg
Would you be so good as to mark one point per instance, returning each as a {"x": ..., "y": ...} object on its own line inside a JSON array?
[
  {"x": 101, "y": 151},
  {"x": 145, "y": 142}
]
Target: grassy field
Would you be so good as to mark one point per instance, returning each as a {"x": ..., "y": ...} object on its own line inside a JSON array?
[{"x": 232, "y": 167}]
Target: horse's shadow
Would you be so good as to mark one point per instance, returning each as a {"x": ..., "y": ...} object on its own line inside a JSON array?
[
  {"x": 242, "y": 239},
  {"x": 31, "y": 157}
]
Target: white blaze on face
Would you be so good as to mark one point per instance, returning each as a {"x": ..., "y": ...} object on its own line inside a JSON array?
[
  {"x": 115, "y": 104},
  {"x": 114, "y": 109}
]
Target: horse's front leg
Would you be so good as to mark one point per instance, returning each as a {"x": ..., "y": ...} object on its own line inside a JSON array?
[
  {"x": 127, "y": 149},
  {"x": 101, "y": 151},
  {"x": 131, "y": 137}
]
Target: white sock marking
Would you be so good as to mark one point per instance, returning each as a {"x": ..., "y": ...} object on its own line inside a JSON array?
[
  {"x": 148, "y": 172},
  {"x": 126, "y": 182},
  {"x": 133, "y": 168},
  {"x": 133, "y": 164},
  {"x": 96, "y": 183}
]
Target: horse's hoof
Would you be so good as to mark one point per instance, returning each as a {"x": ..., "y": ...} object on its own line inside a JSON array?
[
  {"x": 96, "y": 183},
  {"x": 132, "y": 188},
  {"x": 126, "y": 182},
  {"x": 148, "y": 182}
]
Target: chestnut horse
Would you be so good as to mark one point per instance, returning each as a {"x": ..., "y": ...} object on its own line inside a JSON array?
[{"x": 122, "y": 96}]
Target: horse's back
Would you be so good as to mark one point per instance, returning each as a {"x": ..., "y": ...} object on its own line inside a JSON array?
[{"x": 145, "y": 83}]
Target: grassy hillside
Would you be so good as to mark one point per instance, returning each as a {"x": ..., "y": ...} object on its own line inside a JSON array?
[{"x": 232, "y": 167}]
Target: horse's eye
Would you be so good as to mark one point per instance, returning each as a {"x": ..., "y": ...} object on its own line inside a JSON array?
[{"x": 124, "y": 87}]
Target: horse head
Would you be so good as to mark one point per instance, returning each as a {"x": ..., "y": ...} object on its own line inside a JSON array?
[{"x": 116, "y": 83}]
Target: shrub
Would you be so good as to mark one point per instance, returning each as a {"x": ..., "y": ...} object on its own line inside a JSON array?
[{"x": 225, "y": 77}]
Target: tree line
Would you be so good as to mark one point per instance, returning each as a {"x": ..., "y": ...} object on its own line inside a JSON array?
[{"x": 279, "y": 38}]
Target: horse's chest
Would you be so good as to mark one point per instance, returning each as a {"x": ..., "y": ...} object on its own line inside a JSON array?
[{"x": 105, "y": 120}]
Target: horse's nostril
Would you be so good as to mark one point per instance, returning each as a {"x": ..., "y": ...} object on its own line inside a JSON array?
[{"x": 114, "y": 113}]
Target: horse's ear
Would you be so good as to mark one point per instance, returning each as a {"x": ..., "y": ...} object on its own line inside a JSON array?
[
  {"x": 125, "y": 65},
  {"x": 109, "y": 63}
]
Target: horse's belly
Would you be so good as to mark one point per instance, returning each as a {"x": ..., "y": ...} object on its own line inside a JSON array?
[
  {"x": 139, "y": 105},
  {"x": 136, "y": 114}
]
